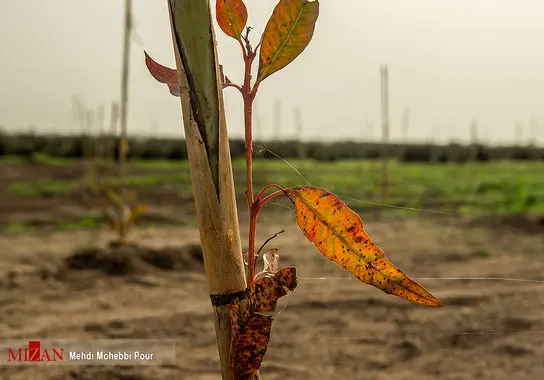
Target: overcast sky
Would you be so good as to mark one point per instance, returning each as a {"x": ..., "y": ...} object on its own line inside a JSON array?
[{"x": 449, "y": 62}]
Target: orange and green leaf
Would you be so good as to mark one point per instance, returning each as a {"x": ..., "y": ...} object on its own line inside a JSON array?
[
  {"x": 286, "y": 35},
  {"x": 251, "y": 328},
  {"x": 163, "y": 74},
  {"x": 338, "y": 234},
  {"x": 232, "y": 17}
]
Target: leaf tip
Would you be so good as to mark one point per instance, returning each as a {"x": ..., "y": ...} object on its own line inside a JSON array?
[
  {"x": 429, "y": 300},
  {"x": 437, "y": 303}
]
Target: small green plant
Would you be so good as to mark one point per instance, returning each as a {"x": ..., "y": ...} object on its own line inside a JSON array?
[
  {"x": 122, "y": 213},
  {"x": 335, "y": 230}
]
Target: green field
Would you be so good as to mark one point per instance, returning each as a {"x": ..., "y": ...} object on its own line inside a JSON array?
[{"x": 496, "y": 187}]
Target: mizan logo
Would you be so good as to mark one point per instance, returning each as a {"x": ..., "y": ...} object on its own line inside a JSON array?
[{"x": 35, "y": 353}]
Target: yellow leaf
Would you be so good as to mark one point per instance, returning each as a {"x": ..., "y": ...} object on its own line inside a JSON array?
[{"x": 338, "y": 234}]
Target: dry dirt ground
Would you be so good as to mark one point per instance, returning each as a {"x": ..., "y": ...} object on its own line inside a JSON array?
[
  {"x": 331, "y": 327},
  {"x": 327, "y": 329}
]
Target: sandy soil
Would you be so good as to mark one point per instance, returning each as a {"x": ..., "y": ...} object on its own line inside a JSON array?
[
  {"x": 332, "y": 328},
  {"x": 327, "y": 329}
]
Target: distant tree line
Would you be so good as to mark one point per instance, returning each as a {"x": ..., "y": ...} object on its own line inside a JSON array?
[{"x": 28, "y": 144}]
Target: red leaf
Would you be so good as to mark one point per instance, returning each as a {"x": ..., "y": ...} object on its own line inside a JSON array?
[
  {"x": 251, "y": 328},
  {"x": 250, "y": 336},
  {"x": 163, "y": 74},
  {"x": 232, "y": 17}
]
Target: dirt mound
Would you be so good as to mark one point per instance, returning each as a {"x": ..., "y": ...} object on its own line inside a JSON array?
[{"x": 131, "y": 258}]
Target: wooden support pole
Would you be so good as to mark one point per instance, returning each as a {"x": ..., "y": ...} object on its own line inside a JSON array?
[
  {"x": 385, "y": 131},
  {"x": 123, "y": 144},
  {"x": 203, "y": 111}
]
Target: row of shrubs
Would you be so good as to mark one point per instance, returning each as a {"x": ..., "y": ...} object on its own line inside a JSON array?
[{"x": 174, "y": 149}]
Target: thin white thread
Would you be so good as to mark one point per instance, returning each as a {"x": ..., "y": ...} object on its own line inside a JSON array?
[
  {"x": 436, "y": 278},
  {"x": 286, "y": 162},
  {"x": 423, "y": 210},
  {"x": 482, "y": 278},
  {"x": 496, "y": 332}
]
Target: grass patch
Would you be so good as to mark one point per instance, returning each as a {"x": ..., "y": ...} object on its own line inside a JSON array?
[
  {"x": 42, "y": 187},
  {"x": 18, "y": 228},
  {"x": 181, "y": 180},
  {"x": 89, "y": 222},
  {"x": 38, "y": 158},
  {"x": 496, "y": 187}
]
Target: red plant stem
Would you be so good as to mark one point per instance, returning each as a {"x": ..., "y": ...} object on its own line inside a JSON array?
[
  {"x": 248, "y": 112},
  {"x": 270, "y": 196},
  {"x": 260, "y": 195},
  {"x": 254, "y": 205},
  {"x": 251, "y": 242},
  {"x": 248, "y": 97},
  {"x": 248, "y": 104}
]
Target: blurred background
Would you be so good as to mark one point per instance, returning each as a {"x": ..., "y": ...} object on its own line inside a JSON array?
[{"x": 426, "y": 118}]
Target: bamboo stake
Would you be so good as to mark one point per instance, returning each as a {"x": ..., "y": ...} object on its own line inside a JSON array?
[
  {"x": 210, "y": 162},
  {"x": 123, "y": 145}
]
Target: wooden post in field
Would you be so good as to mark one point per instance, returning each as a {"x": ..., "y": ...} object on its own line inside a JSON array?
[
  {"x": 385, "y": 131},
  {"x": 79, "y": 116},
  {"x": 405, "y": 124},
  {"x": 518, "y": 139},
  {"x": 277, "y": 120},
  {"x": 99, "y": 148},
  {"x": 100, "y": 121},
  {"x": 533, "y": 138},
  {"x": 473, "y": 155},
  {"x": 518, "y": 134},
  {"x": 123, "y": 144},
  {"x": 114, "y": 113},
  {"x": 473, "y": 141},
  {"x": 435, "y": 147},
  {"x": 298, "y": 129},
  {"x": 533, "y": 126},
  {"x": 404, "y": 130},
  {"x": 90, "y": 149}
]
